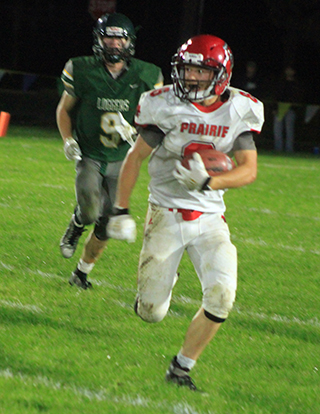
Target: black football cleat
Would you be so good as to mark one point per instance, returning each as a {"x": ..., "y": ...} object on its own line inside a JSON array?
[
  {"x": 79, "y": 279},
  {"x": 179, "y": 376},
  {"x": 70, "y": 239}
]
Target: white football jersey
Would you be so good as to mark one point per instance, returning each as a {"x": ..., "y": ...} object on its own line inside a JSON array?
[{"x": 190, "y": 126}]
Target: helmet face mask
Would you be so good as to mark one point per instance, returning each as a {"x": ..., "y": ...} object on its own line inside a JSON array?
[
  {"x": 195, "y": 90},
  {"x": 114, "y": 26},
  {"x": 207, "y": 52}
]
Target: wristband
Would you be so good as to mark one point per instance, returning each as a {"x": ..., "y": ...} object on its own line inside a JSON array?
[
  {"x": 119, "y": 211},
  {"x": 205, "y": 186}
]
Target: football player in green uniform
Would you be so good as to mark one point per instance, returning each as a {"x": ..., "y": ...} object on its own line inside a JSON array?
[{"x": 94, "y": 117}]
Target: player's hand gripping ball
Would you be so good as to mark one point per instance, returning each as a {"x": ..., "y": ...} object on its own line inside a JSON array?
[
  {"x": 215, "y": 162},
  {"x": 196, "y": 169}
]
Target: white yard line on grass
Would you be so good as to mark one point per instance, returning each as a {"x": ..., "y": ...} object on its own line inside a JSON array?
[
  {"x": 178, "y": 299},
  {"x": 277, "y": 246},
  {"x": 96, "y": 281},
  {"x": 7, "y": 267},
  {"x": 267, "y": 211},
  {"x": 38, "y": 184},
  {"x": 19, "y": 305},
  {"x": 288, "y": 167},
  {"x": 278, "y": 318},
  {"x": 101, "y": 394}
]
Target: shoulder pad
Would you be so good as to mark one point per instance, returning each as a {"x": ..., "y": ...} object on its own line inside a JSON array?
[
  {"x": 148, "y": 72},
  {"x": 150, "y": 104},
  {"x": 249, "y": 109}
]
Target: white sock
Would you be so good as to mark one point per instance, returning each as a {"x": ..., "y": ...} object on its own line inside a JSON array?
[
  {"x": 85, "y": 267},
  {"x": 185, "y": 362}
]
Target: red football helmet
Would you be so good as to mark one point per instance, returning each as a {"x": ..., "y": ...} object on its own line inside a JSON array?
[{"x": 209, "y": 52}]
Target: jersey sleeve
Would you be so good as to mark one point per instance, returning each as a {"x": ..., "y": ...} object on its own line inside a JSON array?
[
  {"x": 159, "y": 82},
  {"x": 250, "y": 110},
  {"x": 244, "y": 141},
  {"x": 149, "y": 73},
  {"x": 67, "y": 78},
  {"x": 152, "y": 135},
  {"x": 145, "y": 111}
]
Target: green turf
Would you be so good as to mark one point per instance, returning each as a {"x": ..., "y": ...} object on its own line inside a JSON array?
[{"x": 64, "y": 350}]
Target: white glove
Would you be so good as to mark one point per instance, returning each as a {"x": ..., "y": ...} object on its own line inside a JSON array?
[
  {"x": 72, "y": 150},
  {"x": 122, "y": 227},
  {"x": 126, "y": 131},
  {"x": 196, "y": 178}
]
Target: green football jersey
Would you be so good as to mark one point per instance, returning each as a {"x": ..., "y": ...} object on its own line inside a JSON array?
[{"x": 101, "y": 98}]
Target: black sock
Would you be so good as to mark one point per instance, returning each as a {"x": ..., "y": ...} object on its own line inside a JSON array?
[{"x": 81, "y": 275}]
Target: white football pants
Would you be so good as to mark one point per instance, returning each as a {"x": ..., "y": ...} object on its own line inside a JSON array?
[{"x": 214, "y": 257}]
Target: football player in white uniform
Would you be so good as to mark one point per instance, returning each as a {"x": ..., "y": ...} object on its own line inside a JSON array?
[{"x": 186, "y": 207}]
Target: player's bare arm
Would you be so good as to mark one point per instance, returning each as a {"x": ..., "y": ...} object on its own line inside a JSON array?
[
  {"x": 71, "y": 147},
  {"x": 130, "y": 171},
  {"x": 66, "y": 104},
  {"x": 245, "y": 173},
  {"x": 121, "y": 226}
]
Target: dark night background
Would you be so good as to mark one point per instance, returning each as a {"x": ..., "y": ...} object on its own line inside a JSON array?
[{"x": 39, "y": 36}]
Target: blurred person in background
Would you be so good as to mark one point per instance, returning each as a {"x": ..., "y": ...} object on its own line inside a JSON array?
[
  {"x": 94, "y": 117},
  {"x": 288, "y": 94},
  {"x": 250, "y": 80}
]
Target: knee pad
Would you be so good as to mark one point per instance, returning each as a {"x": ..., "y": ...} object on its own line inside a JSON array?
[
  {"x": 88, "y": 207},
  {"x": 87, "y": 215},
  {"x": 218, "y": 301},
  {"x": 149, "y": 312},
  {"x": 100, "y": 228}
]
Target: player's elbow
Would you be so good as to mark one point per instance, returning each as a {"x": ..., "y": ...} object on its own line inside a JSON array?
[
  {"x": 250, "y": 172},
  {"x": 252, "y": 176}
]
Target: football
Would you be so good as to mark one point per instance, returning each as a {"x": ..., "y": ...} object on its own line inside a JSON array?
[{"x": 216, "y": 162}]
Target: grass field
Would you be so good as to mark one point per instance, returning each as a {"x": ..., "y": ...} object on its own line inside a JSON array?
[{"x": 65, "y": 350}]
